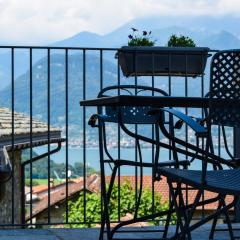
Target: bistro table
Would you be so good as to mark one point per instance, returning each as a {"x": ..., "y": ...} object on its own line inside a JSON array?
[
  {"x": 155, "y": 101},
  {"x": 162, "y": 101}
]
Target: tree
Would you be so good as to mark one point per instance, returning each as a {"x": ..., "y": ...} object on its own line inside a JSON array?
[
  {"x": 40, "y": 168},
  {"x": 127, "y": 205}
]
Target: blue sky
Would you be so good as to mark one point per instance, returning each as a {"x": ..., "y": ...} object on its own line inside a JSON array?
[{"x": 45, "y": 21}]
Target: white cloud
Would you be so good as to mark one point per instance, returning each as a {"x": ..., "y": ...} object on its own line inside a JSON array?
[{"x": 38, "y": 21}]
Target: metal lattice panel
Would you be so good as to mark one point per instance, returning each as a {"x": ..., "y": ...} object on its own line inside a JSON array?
[{"x": 225, "y": 84}]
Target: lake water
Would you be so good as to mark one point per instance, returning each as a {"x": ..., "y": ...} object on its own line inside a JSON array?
[{"x": 92, "y": 158}]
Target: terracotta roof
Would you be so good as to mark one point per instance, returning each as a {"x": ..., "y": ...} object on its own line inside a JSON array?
[
  {"x": 40, "y": 188},
  {"x": 58, "y": 193},
  {"x": 93, "y": 184},
  {"x": 162, "y": 188}
]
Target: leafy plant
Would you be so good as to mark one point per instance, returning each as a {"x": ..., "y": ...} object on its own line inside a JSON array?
[
  {"x": 34, "y": 182},
  {"x": 135, "y": 39},
  {"x": 127, "y": 205},
  {"x": 181, "y": 41},
  {"x": 40, "y": 168}
]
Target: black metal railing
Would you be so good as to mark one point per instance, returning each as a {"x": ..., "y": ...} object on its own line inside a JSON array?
[{"x": 46, "y": 84}]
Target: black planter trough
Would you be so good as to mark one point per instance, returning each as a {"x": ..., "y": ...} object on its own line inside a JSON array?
[{"x": 163, "y": 61}]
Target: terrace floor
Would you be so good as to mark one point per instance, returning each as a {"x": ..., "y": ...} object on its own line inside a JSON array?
[{"x": 92, "y": 234}]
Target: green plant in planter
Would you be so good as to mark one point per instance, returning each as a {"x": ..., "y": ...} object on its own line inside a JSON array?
[
  {"x": 181, "y": 41},
  {"x": 136, "y": 39}
]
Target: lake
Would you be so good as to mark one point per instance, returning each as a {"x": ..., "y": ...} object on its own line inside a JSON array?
[{"x": 92, "y": 158}]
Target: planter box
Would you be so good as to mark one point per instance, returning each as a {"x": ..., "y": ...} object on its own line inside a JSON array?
[{"x": 163, "y": 61}]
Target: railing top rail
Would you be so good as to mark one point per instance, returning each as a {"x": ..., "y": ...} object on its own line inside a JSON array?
[
  {"x": 58, "y": 48},
  {"x": 70, "y": 48}
]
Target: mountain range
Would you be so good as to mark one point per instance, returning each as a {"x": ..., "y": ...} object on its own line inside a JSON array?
[{"x": 216, "y": 33}]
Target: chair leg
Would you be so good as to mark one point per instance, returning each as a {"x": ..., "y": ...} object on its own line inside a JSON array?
[
  {"x": 105, "y": 216},
  {"x": 169, "y": 215},
  {"x": 222, "y": 204},
  {"x": 102, "y": 226},
  {"x": 222, "y": 210},
  {"x": 185, "y": 230},
  {"x": 182, "y": 204},
  {"x": 178, "y": 211},
  {"x": 167, "y": 223},
  {"x": 108, "y": 195},
  {"x": 211, "y": 235},
  {"x": 228, "y": 220}
]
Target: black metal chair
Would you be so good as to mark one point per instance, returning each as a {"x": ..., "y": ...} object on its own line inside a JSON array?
[
  {"x": 125, "y": 117},
  {"x": 224, "y": 110}
]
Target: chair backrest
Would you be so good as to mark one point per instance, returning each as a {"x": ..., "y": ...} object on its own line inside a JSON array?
[
  {"x": 131, "y": 114},
  {"x": 225, "y": 84}
]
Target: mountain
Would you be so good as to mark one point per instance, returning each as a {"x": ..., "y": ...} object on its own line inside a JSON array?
[
  {"x": 202, "y": 23},
  {"x": 21, "y": 65},
  {"x": 217, "y": 32},
  {"x": 214, "y": 32},
  {"x": 206, "y": 31},
  {"x": 83, "y": 39},
  {"x": 75, "y": 86},
  {"x": 58, "y": 88},
  {"x": 221, "y": 40}
]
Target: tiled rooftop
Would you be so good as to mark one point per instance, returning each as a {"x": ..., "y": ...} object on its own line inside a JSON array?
[
  {"x": 162, "y": 188},
  {"x": 21, "y": 124},
  {"x": 58, "y": 193}
]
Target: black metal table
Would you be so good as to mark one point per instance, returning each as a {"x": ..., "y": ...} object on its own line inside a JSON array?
[{"x": 155, "y": 101}]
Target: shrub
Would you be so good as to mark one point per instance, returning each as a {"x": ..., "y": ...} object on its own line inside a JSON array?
[
  {"x": 34, "y": 182},
  {"x": 181, "y": 41}
]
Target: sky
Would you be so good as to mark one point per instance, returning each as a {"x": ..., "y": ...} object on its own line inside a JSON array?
[{"x": 46, "y": 21}]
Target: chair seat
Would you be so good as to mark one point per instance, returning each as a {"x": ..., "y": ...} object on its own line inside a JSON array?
[{"x": 220, "y": 181}]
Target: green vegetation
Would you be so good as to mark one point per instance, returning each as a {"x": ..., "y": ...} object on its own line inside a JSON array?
[
  {"x": 40, "y": 169},
  {"x": 34, "y": 182},
  {"x": 127, "y": 202},
  {"x": 181, "y": 41},
  {"x": 140, "y": 40}
]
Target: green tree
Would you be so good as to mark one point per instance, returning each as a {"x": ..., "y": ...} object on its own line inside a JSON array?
[
  {"x": 127, "y": 205},
  {"x": 40, "y": 168}
]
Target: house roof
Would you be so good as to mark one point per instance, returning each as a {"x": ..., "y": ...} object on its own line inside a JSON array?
[
  {"x": 18, "y": 131},
  {"x": 21, "y": 126},
  {"x": 58, "y": 193},
  {"x": 21, "y": 123},
  {"x": 93, "y": 185},
  {"x": 162, "y": 188}
]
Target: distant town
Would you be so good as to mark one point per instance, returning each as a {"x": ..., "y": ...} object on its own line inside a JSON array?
[{"x": 126, "y": 142}]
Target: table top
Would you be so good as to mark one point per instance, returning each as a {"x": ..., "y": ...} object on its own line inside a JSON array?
[{"x": 157, "y": 101}]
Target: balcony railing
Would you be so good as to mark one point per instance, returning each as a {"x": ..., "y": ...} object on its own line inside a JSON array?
[{"x": 46, "y": 135}]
